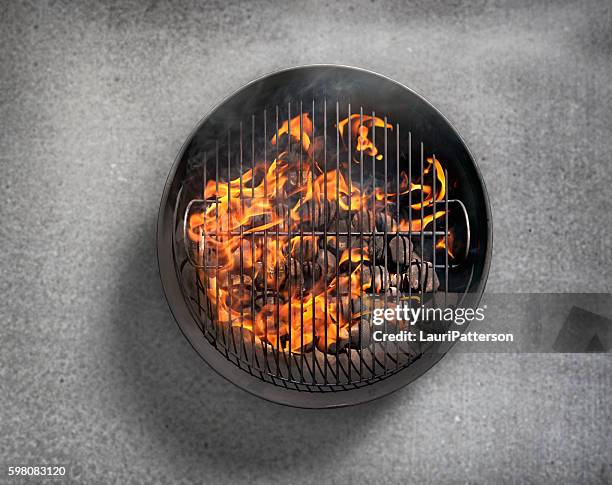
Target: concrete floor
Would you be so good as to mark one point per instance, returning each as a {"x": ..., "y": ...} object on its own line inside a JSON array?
[{"x": 95, "y": 101}]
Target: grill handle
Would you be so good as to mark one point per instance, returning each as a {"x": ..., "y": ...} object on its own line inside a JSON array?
[{"x": 187, "y": 242}]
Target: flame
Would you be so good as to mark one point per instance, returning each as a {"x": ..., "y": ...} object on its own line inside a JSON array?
[
  {"x": 416, "y": 225},
  {"x": 441, "y": 244},
  {"x": 293, "y": 128},
  {"x": 354, "y": 255},
  {"x": 267, "y": 199},
  {"x": 428, "y": 189},
  {"x": 360, "y": 129}
]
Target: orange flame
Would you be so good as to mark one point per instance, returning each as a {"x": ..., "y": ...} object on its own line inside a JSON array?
[
  {"x": 428, "y": 189},
  {"x": 355, "y": 255},
  {"x": 293, "y": 128},
  {"x": 416, "y": 225},
  {"x": 441, "y": 244},
  {"x": 360, "y": 128}
]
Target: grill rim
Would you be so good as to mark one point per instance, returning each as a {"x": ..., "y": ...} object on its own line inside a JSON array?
[{"x": 189, "y": 328}]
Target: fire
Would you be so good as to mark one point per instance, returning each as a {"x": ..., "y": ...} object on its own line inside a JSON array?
[
  {"x": 427, "y": 190},
  {"x": 354, "y": 255},
  {"x": 251, "y": 225},
  {"x": 441, "y": 244},
  {"x": 360, "y": 129},
  {"x": 293, "y": 128},
  {"x": 416, "y": 225}
]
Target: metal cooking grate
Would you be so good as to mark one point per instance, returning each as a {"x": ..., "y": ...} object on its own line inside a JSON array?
[{"x": 318, "y": 370}]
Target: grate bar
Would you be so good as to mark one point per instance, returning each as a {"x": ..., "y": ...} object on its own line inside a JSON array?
[
  {"x": 300, "y": 281},
  {"x": 361, "y": 244},
  {"x": 337, "y": 262},
  {"x": 397, "y": 235},
  {"x": 373, "y": 236},
  {"x": 326, "y": 216},
  {"x": 312, "y": 215}
]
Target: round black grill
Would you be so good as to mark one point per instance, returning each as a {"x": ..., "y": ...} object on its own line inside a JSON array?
[{"x": 300, "y": 214}]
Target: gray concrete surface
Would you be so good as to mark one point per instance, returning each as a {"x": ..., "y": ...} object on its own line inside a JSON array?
[{"x": 95, "y": 101}]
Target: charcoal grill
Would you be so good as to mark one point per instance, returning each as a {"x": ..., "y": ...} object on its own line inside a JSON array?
[{"x": 304, "y": 364}]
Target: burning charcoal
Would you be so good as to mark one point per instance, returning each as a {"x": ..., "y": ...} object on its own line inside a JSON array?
[
  {"x": 240, "y": 294},
  {"x": 280, "y": 211},
  {"x": 340, "y": 241},
  {"x": 333, "y": 346},
  {"x": 401, "y": 249},
  {"x": 267, "y": 299},
  {"x": 271, "y": 275},
  {"x": 284, "y": 344},
  {"x": 372, "y": 251},
  {"x": 255, "y": 220},
  {"x": 318, "y": 269},
  {"x": 313, "y": 213},
  {"x": 376, "y": 248},
  {"x": 294, "y": 272},
  {"x": 362, "y": 221},
  {"x": 376, "y": 277},
  {"x": 308, "y": 347},
  {"x": 311, "y": 271},
  {"x": 323, "y": 256},
  {"x": 298, "y": 165},
  {"x": 427, "y": 278},
  {"x": 242, "y": 335},
  {"x": 361, "y": 339},
  {"x": 371, "y": 221},
  {"x": 304, "y": 247},
  {"x": 340, "y": 212},
  {"x": 293, "y": 175},
  {"x": 293, "y": 180},
  {"x": 243, "y": 252},
  {"x": 227, "y": 279},
  {"x": 205, "y": 256},
  {"x": 420, "y": 276},
  {"x": 317, "y": 147},
  {"x": 398, "y": 280},
  {"x": 350, "y": 308}
]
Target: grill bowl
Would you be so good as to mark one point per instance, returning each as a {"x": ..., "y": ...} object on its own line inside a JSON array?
[{"x": 372, "y": 92}]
